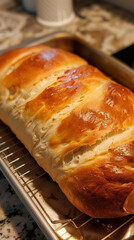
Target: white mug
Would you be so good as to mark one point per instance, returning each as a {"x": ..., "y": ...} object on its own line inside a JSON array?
[{"x": 54, "y": 12}]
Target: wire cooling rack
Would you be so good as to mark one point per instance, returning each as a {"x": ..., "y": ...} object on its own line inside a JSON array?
[{"x": 56, "y": 217}]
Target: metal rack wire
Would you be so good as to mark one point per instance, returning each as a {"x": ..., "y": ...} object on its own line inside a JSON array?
[{"x": 31, "y": 177}]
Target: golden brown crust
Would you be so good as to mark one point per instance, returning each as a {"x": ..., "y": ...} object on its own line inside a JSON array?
[
  {"x": 90, "y": 121},
  {"x": 77, "y": 123},
  {"x": 39, "y": 64},
  {"x": 101, "y": 188},
  {"x": 11, "y": 56},
  {"x": 68, "y": 87}
]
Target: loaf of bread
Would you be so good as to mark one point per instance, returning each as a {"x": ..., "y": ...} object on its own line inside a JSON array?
[{"x": 76, "y": 122}]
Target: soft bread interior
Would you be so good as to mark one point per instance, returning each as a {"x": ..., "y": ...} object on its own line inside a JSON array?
[{"x": 86, "y": 154}]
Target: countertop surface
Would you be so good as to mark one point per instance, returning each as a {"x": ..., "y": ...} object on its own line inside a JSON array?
[{"x": 105, "y": 27}]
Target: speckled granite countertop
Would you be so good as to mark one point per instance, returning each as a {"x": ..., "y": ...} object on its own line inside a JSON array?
[{"x": 104, "y": 26}]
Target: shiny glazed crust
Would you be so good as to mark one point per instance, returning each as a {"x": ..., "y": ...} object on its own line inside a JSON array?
[{"x": 77, "y": 123}]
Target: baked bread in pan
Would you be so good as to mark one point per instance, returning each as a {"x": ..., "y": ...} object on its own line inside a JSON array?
[{"x": 76, "y": 122}]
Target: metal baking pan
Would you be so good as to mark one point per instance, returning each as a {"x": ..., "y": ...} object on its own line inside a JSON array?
[{"x": 53, "y": 213}]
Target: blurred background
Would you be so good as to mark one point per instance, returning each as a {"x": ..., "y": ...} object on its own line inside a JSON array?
[{"x": 107, "y": 25}]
